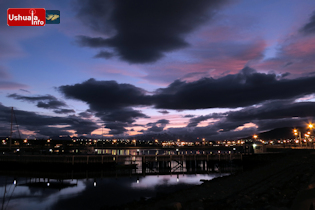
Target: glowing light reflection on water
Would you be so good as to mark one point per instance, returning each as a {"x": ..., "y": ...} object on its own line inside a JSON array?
[{"x": 89, "y": 193}]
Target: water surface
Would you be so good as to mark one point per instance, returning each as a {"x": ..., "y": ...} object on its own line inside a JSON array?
[{"x": 38, "y": 193}]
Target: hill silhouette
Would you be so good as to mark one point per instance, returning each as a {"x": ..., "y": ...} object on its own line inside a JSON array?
[{"x": 281, "y": 133}]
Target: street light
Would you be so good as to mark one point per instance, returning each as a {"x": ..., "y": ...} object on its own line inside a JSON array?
[
  {"x": 297, "y": 133},
  {"x": 310, "y": 126},
  {"x": 255, "y": 137}
]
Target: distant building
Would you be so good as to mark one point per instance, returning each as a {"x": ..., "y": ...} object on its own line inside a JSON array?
[
  {"x": 259, "y": 147},
  {"x": 253, "y": 148}
]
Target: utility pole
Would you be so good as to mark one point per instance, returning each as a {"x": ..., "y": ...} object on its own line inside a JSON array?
[
  {"x": 102, "y": 140},
  {"x": 11, "y": 127}
]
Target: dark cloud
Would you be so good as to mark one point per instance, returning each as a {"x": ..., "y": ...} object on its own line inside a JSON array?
[
  {"x": 284, "y": 74},
  {"x": 189, "y": 115},
  {"x": 150, "y": 124},
  {"x": 113, "y": 102},
  {"x": 104, "y": 54},
  {"x": 26, "y": 91},
  {"x": 309, "y": 28},
  {"x": 193, "y": 122},
  {"x": 122, "y": 115},
  {"x": 224, "y": 125},
  {"x": 246, "y": 88},
  {"x": 101, "y": 95},
  {"x": 143, "y": 31},
  {"x": 50, "y": 104},
  {"x": 47, "y": 125},
  {"x": 31, "y": 98},
  {"x": 269, "y": 115},
  {"x": 164, "y": 112},
  {"x": 64, "y": 111},
  {"x": 248, "y": 121},
  {"x": 157, "y": 126},
  {"x": 280, "y": 109},
  {"x": 163, "y": 121},
  {"x": 219, "y": 130},
  {"x": 117, "y": 119},
  {"x": 86, "y": 114},
  {"x": 233, "y": 135},
  {"x": 44, "y": 101},
  {"x": 192, "y": 76},
  {"x": 110, "y": 101},
  {"x": 288, "y": 64},
  {"x": 269, "y": 124},
  {"x": 116, "y": 127}
]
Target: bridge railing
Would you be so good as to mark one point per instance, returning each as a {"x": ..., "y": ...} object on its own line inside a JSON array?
[{"x": 81, "y": 159}]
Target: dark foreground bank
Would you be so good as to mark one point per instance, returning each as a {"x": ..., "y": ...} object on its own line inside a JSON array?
[{"x": 286, "y": 182}]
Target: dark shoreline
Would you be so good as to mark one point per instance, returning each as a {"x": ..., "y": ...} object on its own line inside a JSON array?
[{"x": 286, "y": 182}]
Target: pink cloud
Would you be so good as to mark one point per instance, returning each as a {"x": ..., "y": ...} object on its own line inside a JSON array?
[
  {"x": 212, "y": 60},
  {"x": 299, "y": 48},
  {"x": 3, "y": 73},
  {"x": 5, "y": 85},
  {"x": 118, "y": 69},
  {"x": 296, "y": 55}
]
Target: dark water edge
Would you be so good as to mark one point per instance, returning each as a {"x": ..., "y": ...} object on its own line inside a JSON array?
[
  {"x": 99, "y": 193},
  {"x": 285, "y": 181}
]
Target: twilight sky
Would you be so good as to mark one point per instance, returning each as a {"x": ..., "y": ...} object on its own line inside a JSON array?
[{"x": 214, "y": 69}]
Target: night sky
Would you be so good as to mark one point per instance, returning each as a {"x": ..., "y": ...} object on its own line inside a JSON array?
[{"x": 214, "y": 69}]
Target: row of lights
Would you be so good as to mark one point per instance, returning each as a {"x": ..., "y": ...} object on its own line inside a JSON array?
[{"x": 310, "y": 126}]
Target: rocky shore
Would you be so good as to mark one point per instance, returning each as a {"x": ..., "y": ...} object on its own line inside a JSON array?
[{"x": 287, "y": 182}]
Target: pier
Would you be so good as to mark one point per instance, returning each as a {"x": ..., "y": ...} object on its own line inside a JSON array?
[
  {"x": 83, "y": 166},
  {"x": 101, "y": 159}
]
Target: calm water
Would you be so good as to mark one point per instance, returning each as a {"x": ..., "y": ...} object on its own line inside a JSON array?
[
  {"x": 115, "y": 187},
  {"x": 30, "y": 193}
]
